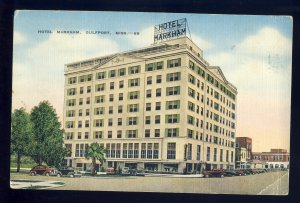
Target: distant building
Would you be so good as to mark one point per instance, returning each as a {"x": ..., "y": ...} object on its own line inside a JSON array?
[
  {"x": 276, "y": 158},
  {"x": 240, "y": 157},
  {"x": 246, "y": 143}
]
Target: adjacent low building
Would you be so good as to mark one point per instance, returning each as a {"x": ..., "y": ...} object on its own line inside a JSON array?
[
  {"x": 274, "y": 159},
  {"x": 162, "y": 108},
  {"x": 243, "y": 152}
]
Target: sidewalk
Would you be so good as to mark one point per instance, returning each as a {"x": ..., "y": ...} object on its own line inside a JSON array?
[{"x": 35, "y": 184}]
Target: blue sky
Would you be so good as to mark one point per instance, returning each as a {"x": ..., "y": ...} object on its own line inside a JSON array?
[{"x": 254, "y": 53}]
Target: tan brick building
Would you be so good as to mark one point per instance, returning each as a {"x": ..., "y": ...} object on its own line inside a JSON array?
[
  {"x": 276, "y": 158},
  {"x": 161, "y": 108}
]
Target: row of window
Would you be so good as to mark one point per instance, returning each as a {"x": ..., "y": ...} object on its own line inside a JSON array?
[{"x": 122, "y": 71}]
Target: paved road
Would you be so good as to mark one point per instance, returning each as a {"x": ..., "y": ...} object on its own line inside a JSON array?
[{"x": 272, "y": 183}]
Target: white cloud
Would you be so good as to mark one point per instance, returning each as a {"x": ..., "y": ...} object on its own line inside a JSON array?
[
  {"x": 41, "y": 76},
  {"x": 18, "y": 38},
  {"x": 203, "y": 44}
]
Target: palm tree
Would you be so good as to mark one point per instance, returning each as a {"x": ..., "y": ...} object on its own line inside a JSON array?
[{"x": 96, "y": 153}]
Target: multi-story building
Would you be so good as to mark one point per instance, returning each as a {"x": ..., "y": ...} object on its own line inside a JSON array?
[
  {"x": 161, "y": 108},
  {"x": 276, "y": 158},
  {"x": 240, "y": 157}
]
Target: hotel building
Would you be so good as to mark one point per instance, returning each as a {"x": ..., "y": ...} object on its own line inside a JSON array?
[{"x": 161, "y": 108}]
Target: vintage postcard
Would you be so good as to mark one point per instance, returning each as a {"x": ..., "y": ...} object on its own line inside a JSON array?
[{"x": 151, "y": 102}]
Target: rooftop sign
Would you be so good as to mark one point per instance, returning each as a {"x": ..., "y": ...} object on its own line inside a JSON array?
[{"x": 170, "y": 30}]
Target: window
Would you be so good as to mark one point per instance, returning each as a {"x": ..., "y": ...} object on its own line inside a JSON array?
[
  {"x": 155, "y": 151},
  {"x": 191, "y": 79},
  {"x": 79, "y": 125},
  {"x": 100, "y": 75},
  {"x": 70, "y": 113},
  {"x": 149, "y": 67},
  {"x": 147, "y": 120},
  {"x": 174, "y": 63},
  {"x": 172, "y": 118},
  {"x": 81, "y": 150},
  {"x": 157, "y": 106},
  {"x": 173, "y": 76},
  {"x": 81, "y": 78},
  {"x": 87, "y": 123},
  {"x": 132, "y": 133},
  {"x": 171, "y": 151},
  {"x": 113, "y": 150},
  {"x": 99, "y": 111},
  {"x": 147, "y": 133},
  {"x": 143, "y": 151},
  {"x": 130, "y": 150},
  {"x": 98, "y": 123},
  {"x": 110, "y": 110},
  {"x": 111, "y": 97},
  {"x": 80, "y": 112},
  {"x": 221, "y": 155},
  {"x": 173, "y": 104},
  {"x": 158, "y": 79},
  {"x": 79, "y": 135},
  {"x": 119, "y": 121},
  {"x": 215, "y": 154},
  {"x": 111, "y": 85},
  {"x": 136, "y": 150},
  {"x": 69, "y": 136},
  {"x": 154, "y": 66},
  {"x": 159, "y": 65},
  {"x": 120, "y": 109},
  {"x": 172, "y": 132},
  {"x": 110, "y": 122},
  {"x": 191, "y": 92},
  {"x": 119, "y": 134},
  {"x": 191, "y": 106},
  {"x": 134, "y": 70},
  {"x": 72, "y": 80},
  {"x": 88, "y": 101},
  {"x": 98, "y": 134},
  {"x": 149, "y": 151},
  {"x": 132, "y": 121},
  {"x": 121, "y": 84},
  {"x": 148, "y": 106},
  {"x": 157, "y": 119},
  {"x": 100, "y": 87},
  {"x": 191, "y": 65},
  {"x": 134, "y": 82},
  {"x": 71, "y": 102},
  {"x": 71, "y": 91},
  {"x": 109, "y": 134},
  {"x": 133, "y": 95},
  {"x": 189, "y": 152},
  {"x": 86, "y": 135},
  {"x": 133, "y": 107},
  {"x": 173, "y": 90},
  {"x": 87, "y": 112},
  {"x": 99, "y": 99},
  {"x": 190, "y": 133},
  {"x": 190, "y": 120},
  {"x": 120, "y": 96},
  {"x": 198, "y": 152},
  {"x": 208, "y": 154},
  {"x": 149, "y": 80},
  {"x": 122, "y": 71},
  {"x": 158, "y": 92},
  {"x": 125, "y": 150},
  {"x": 148, "y": 93},
  {"x": 112, "y": 73},
  {"x": 157, "y": 133}
]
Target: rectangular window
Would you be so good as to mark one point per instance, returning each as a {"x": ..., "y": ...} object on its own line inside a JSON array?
[
  {"x": 119, "y": 134},
  {"x": 208, "y": 154},
  {"x": 172, "y": 118},
  {"x": 111, "y": 85},
  {"x": 173, "y": 90},
  {"x": 190, "y": 120},
  {"x": 191, "y": 65},
  {"x": 191, "y": 106},
  {"x": 133, "y": 95},
  {"x": 112, "y": 73},
  {"x": 71, "y": 91},
  {"x": 72, "y": 80},
  {"x": 158, "y": 79},
  {"x": 125, "y": 150},
  {"x": 136, "y": 150},
  {"x": 110, "y": 122},
  {"x": 134, "y": 70},
  {"x": 173, "y": 104},
  {"x": 98, "y": 134},
  {"x": 157, "y": 106},
  {"x": 191, "y": 79},
  {"x": 100, "y": 87},
  {"x": 189, "y": 152},
  {"x": 148, "y": 93},
  {"x": 131, "y": 133},
  {"x": 148, "y": 106},
  {"x": 122, "y": 71},
  {"x": 111, "y": 97},
  {"x": 147, "y": 133},
  {"x": 149, "y": 80},
  {"x": 99, "y": 99},
  {"x": 143, "y": 151},
  {"x": 98, "y": 123},
  {"x": 157, "y": 119},
  {"x": 70, "y": 113},
  {"x": 121, "y": 84},
  {"x": 118, "y": 150},
  {"x": 191, "y": 92},
  {"x": 215, "y": 154},
  {"x": 174, "y": 63},
  {"x": 132, "y": 121},
  {"x": 173, "y": 76},
  {"x": 155, "y": 151},
  {"x": 171, "y": 151},
  {"x": 69, "y": 136},
  {"x": 86, "y": 135},
  {"x": 110, "y": 110},
  {"x": 190, "y": 133},
  {"x": 134, "y": 82},
  {"x": 99, "y": 111},
  {"x": 172, "y": 132},
  {"x": 71, "y": 102},
  {"x": 157, "y": 133},
  {"x": 100, "y": 75},
  {"x": 109, "y": 134},
  {"x": 130, "y": 150},
  {"x": 133, "y": 107},
  {"x": 158, "y": 92},
  {"x": 120, "y": 109},
  {"x": 113, "y": 150},
  {"x": 149, "y": 151},
  {"x": 198, "y": 152},
  {"x": 120, "y": 96},
  {"x": 81, "y": 90},
  {"x": 221, "y": 155},
  {"x": 147, "y": 120}
]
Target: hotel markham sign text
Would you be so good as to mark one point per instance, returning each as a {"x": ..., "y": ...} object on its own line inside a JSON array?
[{"x": 170, "y": 30}]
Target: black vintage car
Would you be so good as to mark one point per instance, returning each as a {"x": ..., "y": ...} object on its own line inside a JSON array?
[{"x": 67, "y": 171}]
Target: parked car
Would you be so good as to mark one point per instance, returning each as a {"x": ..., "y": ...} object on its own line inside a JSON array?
[
  {"x": 240, "y": 172},
  {"x": 140, "y": 172},
  {"x": 67, "y": 171},
  {"x": 110, "y": 171},
  {"x": 125, "y": 171},
  {"x": 247, "y": 172},
  {"x": 209, "y": 174},
  {"x": 231, "y": 173},
  {"x": 41, "y": 170}
]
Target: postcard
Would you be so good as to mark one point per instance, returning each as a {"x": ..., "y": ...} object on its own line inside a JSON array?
[{"x": 151, "y": 102}]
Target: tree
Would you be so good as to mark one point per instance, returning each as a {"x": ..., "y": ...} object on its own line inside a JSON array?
[
  {"x": 21, "y": 136},
  {"x": 48, "y": 135},
  {"x": 95, "y": 152}
]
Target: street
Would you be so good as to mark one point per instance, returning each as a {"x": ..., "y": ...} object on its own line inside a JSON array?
[{"x": 271, "y": 183}]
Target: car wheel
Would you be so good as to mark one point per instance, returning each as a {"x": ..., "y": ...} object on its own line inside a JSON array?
[
  {"x": 71, "y": 175},
  {"x": 47, "y": 174},
  {"x": 32, "y": 174},
  {"x": 58, "y": 175}
]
